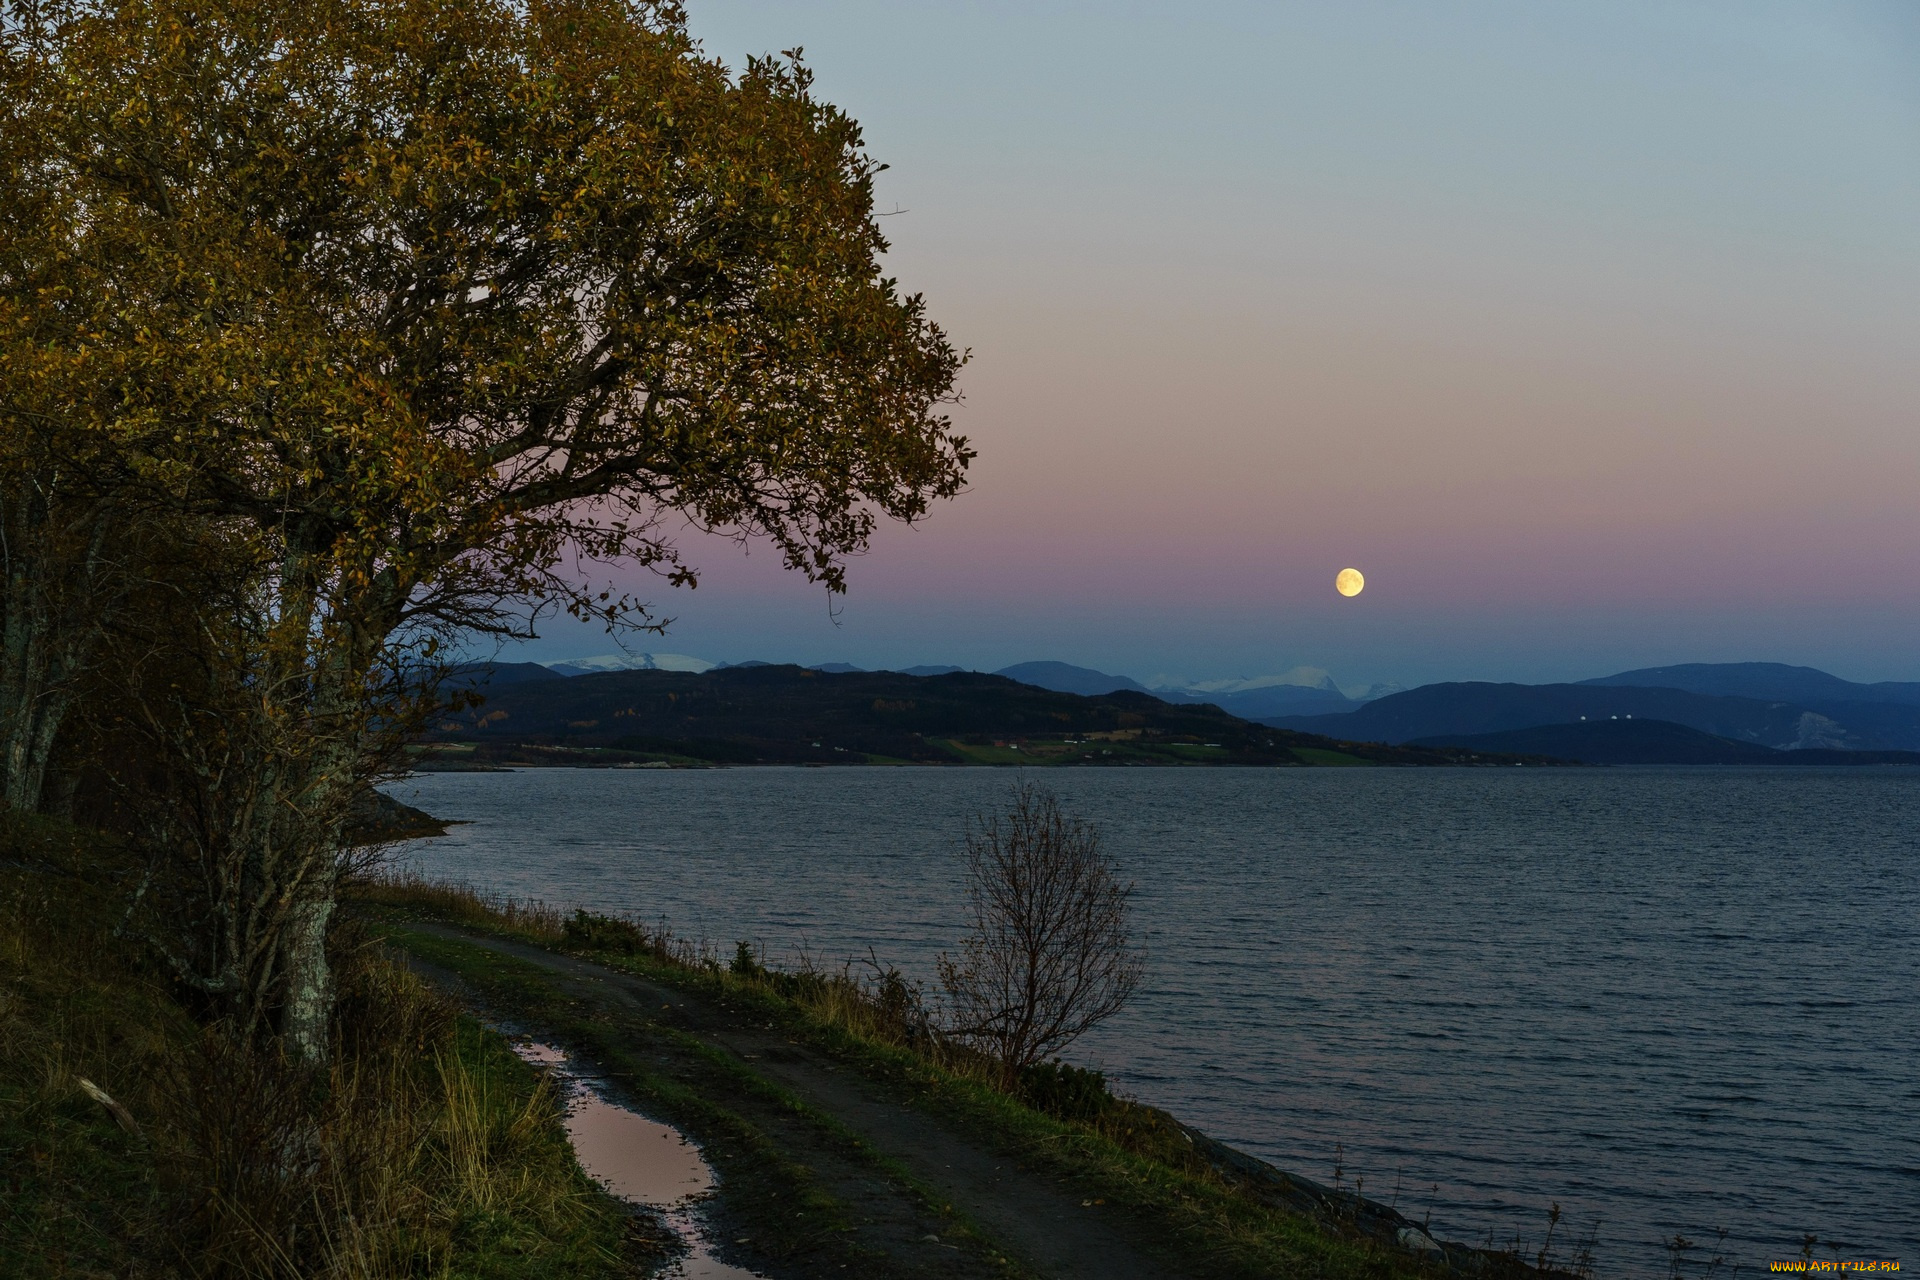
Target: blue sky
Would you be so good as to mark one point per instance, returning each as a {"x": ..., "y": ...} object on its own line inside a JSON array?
[{"x": 1587, "y": 331}]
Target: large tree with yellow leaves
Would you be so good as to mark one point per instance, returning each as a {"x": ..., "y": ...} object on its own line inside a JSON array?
[{"x": 420, "y": 307}]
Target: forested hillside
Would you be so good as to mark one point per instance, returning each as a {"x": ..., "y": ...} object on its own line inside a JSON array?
[{"x": 789, "y": 714}]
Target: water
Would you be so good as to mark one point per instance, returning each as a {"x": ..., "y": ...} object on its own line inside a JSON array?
[
  {"x": 639, "y": 1160},
  {"x": 1670, "y": 1000}
]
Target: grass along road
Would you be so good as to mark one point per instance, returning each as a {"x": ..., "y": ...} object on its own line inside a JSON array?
[
  {"x": 889, "y": 1189},
  {"x": 842, "y": 1153}
]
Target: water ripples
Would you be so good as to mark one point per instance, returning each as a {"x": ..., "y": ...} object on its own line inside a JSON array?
[{"x": 1670, "y": 1000}]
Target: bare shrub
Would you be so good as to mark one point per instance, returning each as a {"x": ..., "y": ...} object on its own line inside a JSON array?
[{"x": 1049, "y": 955}]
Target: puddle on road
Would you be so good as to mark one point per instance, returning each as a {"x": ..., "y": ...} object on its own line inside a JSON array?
[
  {"x": 639, "y": 1160},
  {"x": 634, "y": 1157}
]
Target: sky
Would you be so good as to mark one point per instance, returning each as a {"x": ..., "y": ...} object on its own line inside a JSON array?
[{"x": 1588, "y": 331}]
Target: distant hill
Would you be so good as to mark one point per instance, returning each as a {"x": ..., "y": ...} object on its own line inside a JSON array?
[
  {"x": 1771, "y": 681},
  {"x": 629, "y": 662},
  {"x": 1618, "y": 742},
  {"x": 1456, "y": 710},
  {"x": 1651, "y": 742},
  {"x": 1248, "y": 699},
  {"x": 1064, "y": 677},
  {"x": 1263, "y": 701},
  {"x": 788, "y": 714},
  {"x": 496, "y": 675}
]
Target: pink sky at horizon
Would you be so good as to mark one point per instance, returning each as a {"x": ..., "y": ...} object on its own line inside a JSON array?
[{"x": 1587, "y": 333}]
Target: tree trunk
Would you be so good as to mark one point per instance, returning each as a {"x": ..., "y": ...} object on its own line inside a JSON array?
[
  {"x": 62, "y": 590},
  {"x": 32, "y": 703},
  {"x": 333, "y": 722},
  {"x": 309, "y": 1006},
  {"x": 31, "y": 735}
]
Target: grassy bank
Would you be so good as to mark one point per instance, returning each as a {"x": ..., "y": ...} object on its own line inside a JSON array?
[
  {"x": 428, "y": 1149},
  {"x": 1200, "y": 1211},
  {"x": 774, "y": 1200}
]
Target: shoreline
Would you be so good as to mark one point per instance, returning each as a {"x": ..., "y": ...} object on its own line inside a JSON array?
[{"x": 477, "y": 947}]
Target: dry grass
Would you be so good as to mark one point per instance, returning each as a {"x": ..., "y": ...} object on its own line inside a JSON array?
[
  {"x": 76, "y": 1186},
  {"x": 438, "y": 1143},
  {"x": 531, "y": 919},
  {"x": 427, "y": 1149},
  {"x": 1064, "y": 1119},
  {"x": 868, "y": 1001}
]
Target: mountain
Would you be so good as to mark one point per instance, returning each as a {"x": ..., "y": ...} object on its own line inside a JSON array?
[
  {"x": 1458, "y": 709},
  {"x": 1304, "y": 678},
  {"x": 1063, "y": 677},
  {"x": 1770, "y": 681},
  {"x": 1283, "y": 700},
  {"x": 1275, "y": 700},
  {"x": 789, "y": 714},
  {"x": 840, "y": 668},
  {"x": 1301, "y": 691},
  {"x": 1618, "y": 742},
  {"x": 1263, "y": 696},
  {"x": 629, "y": 662},
  {"x": 495, "y": 675},
  {"x": 1650, "y": 742}
]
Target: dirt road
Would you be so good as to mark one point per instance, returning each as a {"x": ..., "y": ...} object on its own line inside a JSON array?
[{"x": 1022, "y": 1220}]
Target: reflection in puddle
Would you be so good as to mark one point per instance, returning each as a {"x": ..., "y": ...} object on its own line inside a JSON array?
[
  {"x": 540, "y": 1055},
  {"x": 638, "y": 1160}
]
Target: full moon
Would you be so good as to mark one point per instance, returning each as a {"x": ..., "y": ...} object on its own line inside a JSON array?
[{"x": 1349, "y": 582}]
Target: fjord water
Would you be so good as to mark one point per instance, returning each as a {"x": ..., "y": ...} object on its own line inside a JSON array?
[{"x": 1670, "y": 1000}]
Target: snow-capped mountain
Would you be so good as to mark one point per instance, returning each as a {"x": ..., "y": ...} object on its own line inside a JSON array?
[
  {"x": 1284, "y": 694},
  {"x": 1370, "y": 692},
  {"x": 1300, "y": 691},
  {"x": 630, "y": 662},
  {"x": 1297, "y": 678}
]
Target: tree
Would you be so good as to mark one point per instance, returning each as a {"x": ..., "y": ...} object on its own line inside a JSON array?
[
  {"x": 68, "y": 570},
  {"x": 1049, "y": 954},
  {"x": 427, "y": 308}
]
